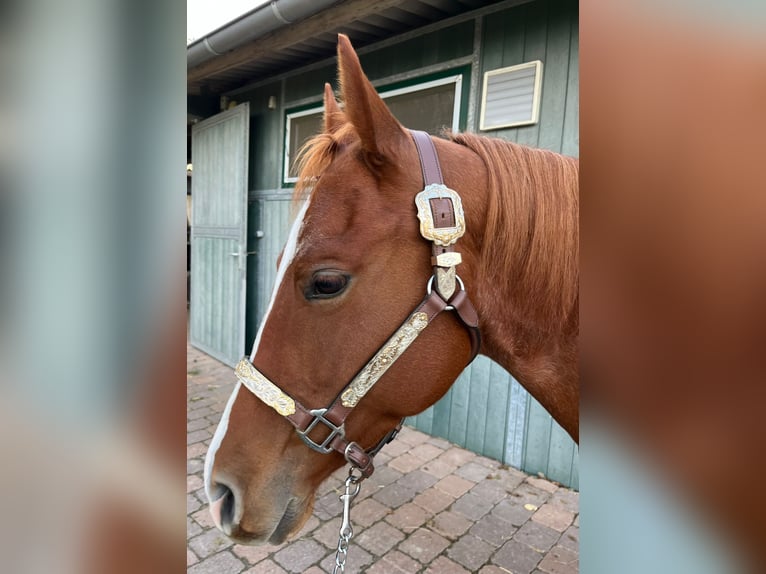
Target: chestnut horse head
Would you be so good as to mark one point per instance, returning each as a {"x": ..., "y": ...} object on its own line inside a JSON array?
[{"x": 354, "y": 268}]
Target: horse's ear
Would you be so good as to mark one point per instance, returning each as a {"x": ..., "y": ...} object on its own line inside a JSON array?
[
  {"x": 379, "y": 130},
  {"x": 333, "y": 116}
]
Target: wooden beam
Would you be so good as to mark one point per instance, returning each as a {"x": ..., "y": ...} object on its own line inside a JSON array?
[{"x": 330, "y": 19}]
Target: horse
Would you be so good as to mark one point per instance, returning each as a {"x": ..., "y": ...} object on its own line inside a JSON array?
[{"x": 354, "y": 267}]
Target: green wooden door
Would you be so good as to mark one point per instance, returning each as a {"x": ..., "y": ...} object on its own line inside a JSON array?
[{"x": 219, "y": 234}]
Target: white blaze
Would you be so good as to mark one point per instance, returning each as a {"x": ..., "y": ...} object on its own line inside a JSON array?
[{"x": 288, "y": 255}]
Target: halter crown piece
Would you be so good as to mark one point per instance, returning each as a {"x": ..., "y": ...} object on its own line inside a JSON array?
[{"x": 442, "y": 222}]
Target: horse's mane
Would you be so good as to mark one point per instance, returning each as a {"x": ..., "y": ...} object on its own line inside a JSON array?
[
  {"x": 531, "y": 235},
  {"x": 530, "y": 240}
]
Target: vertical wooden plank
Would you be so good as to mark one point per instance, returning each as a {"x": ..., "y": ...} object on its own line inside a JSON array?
[
  {"x": 571, "y": 131},
  {"x": 537, "y": 438},
  {"x": 535, "y": 45},
  {"x": 575, "y": 480},
  {"x": 460, "y": 396},
  {"x": 477, "y": 419},
  {"x": 516, "y": 424},
  {"x": 496, "y": 425},
  {"x": 555, "y": 77},
  {"x": 441, "y": 421},
  {"x": 560, "y": 454}
]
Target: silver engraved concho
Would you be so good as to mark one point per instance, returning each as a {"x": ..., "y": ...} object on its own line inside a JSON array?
[
  {"x": 446, "y": 235},
  {"x": 264, "y": 389},
  {"x": 383, "y": 359}
]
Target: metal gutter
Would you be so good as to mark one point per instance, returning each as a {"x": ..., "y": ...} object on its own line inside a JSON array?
[{"x": 252, "y": 25}]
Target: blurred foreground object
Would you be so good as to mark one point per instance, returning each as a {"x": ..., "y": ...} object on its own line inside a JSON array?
[{"x": 673, "y": 224}]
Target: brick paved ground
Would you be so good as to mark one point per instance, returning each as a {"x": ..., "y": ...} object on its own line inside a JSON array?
[{"x": 430, "y": 508}]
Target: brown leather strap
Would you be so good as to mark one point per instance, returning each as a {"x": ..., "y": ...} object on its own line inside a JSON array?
[{"x": 429, "y": 161}]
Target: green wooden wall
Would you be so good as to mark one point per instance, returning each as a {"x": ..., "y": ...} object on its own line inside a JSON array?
[{"x": 486, "y": 410}]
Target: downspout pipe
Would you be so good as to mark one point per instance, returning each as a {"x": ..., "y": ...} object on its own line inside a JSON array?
[{"x": 251, "y": 26}]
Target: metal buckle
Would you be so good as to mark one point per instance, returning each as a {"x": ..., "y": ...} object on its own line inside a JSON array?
[
  {"x": 443, "y": 235},
  {"x": 334, "y": 431}
]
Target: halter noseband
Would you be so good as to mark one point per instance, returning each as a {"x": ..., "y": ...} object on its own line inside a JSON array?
[{"x": 442, "y": 222}]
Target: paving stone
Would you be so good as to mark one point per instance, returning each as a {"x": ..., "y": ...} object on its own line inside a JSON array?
[
  {"x": 299, "y": 555},
  {"x": 417, "y": 480},
  {"x": 490, "y": 569},
  {"x": 221, "y": 563},
  {"x": 253, "y": 554},
  {"x": 209, "y": 542},
  {"x": 394, "y": 562},
  {"x": 442, "y": 443},
  {"x": 512, "y": 511},
  {"x": 433, "y": 500},
  {"x": 456, "y": 456},
  {"x": 542, "y": 484},
  {"x": 310, "y": 525},
  {"x": 197, "y": 436},
  {"x": 192, "y": 528},
  {"x": 195, "y": 450},
  {"x": 438, "y": 468},
  {"x": 193, "y": 483},
  {"x": 405, "y": 463},
  {"x": 571, "y": 539},
  {"x": 560, "y": 560},
  {"x": 412, "y": 437},
  {"x": 191, "y": 558},
  {"x": 368, "y": 512},
  {"x": 470, "y": 552},
  {"x": 192, "y": 503},
  {"x": 490, "y": 490},
  {"x": 327, "y": 534},
  {"x": 408, "y": 517},
  {"x": 454, "y": 485},
  {"x": 487, "y": 462},
  {"x": 473, "y": 472},
  {"x": 493, "y": 530},
  {"x": 384, "y": 476},
  {"x": 517, "y": 557},
  {"x": 537, "y": 536},
  {"x": 396, "y": 448},
  {"x": 426, "y": 452},
  {"x": 357, "y": 561},
  {"x": 328, "y": 506},
  {"x": 315, "y": 570},
  {"x": 199, "y": 413},
  {"x": 197, "y": 424},
  {"x": 526, "y": 493},
  {"x": 266, "y": 567},
  {"x": 194, "y": 466},
  {"x": 394, "y": 495},
  {"x": 424, "y": 545},
  {"x": 443, "y": 565},
  {"x": 555, "y": 517},
  {"x": 567, "y": 499},
  {"x": 450, "y": 524},
  {"x": 510, "y": 478},
  {"x": 380, "y": 538},
  {"x": 472, "y": 506}
]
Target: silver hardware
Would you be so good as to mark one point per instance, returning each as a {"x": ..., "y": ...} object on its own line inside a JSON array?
[
  {"x": 353, "y": 485},
  {"x": 323, "y": 447},
  {"x": 439, "y": 235},
  {"x": 430, "y": 284}
]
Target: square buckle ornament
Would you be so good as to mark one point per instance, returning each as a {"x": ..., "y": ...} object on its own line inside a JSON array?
[{"x": 439, "y": 235}]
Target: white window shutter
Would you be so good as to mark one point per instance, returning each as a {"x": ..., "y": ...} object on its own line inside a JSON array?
[{"x": 511, "y": 96}]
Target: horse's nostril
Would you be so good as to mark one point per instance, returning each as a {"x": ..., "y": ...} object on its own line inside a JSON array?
[{"x": 222, "y": 507}]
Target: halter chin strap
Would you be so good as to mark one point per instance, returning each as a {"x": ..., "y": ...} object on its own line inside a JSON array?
[{"x": 442, "y": 222}]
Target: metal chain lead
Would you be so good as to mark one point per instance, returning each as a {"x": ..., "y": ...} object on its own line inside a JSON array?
[{"x": 353, "y": 484}]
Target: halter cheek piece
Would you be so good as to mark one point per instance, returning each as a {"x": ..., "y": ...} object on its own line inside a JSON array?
[{"x": 442, "y": 222}]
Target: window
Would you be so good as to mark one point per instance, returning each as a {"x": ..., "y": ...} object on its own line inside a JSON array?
[
  {"x": 429, "y": 106},
  {"x": 511, "y": 96}
]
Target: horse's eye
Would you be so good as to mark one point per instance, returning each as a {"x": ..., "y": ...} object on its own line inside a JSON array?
[{"x": 326, "y": 284}]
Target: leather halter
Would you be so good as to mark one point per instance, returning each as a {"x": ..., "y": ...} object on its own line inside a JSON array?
[{"x": 442, "y": 222}]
